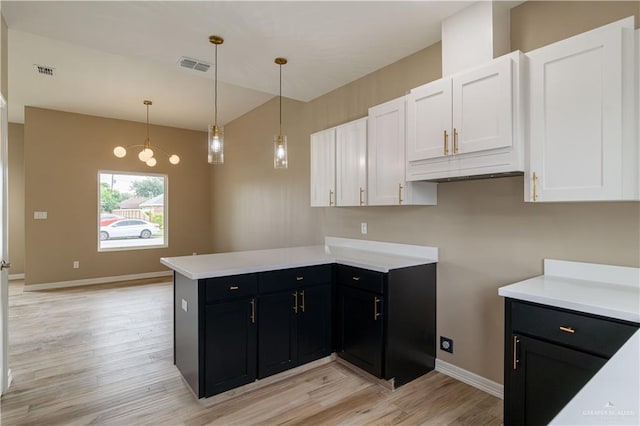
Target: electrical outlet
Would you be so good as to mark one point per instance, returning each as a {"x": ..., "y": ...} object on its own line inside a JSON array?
[
  {"x": 363, "y": 228},
  {"x": 76, "y": 264},
  {"x": 446, "y": 344}
]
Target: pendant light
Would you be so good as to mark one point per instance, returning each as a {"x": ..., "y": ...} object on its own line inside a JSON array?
[
  {"x": 280, "y": 140},
  {"x": 147, "y": 152},
  {"x": 216, "y": 133}
]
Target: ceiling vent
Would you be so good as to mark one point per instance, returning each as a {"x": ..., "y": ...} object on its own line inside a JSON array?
[
  {"x": 44, "y": 70},
  {"x": 194, "y": 64}
]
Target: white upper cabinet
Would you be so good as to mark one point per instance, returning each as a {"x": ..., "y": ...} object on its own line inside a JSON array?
[
  {"x": 467, "y": 124},
  {"x": 386, "y": 159},
  {"x": 429, "y": 117},
  {"x": 323, "y": 168},
  {"x": 582, "y": 118},
  {"x": 482, "y": 108},
  {"x": 351, "y": 163}
]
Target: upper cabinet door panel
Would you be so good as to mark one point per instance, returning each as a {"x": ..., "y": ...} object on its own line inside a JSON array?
[
  {"x": 576, "y": 117},
  {"x": 386, "y": 153},
  {"x": 482, "y": 108},
  {"x": 429, "y": 121},
  {"x": 323, "y": 173},
  {"x": 351, "y": 163}
]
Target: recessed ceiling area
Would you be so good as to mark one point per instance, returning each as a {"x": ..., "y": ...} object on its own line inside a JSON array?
[{"x": 109, "y": 56}]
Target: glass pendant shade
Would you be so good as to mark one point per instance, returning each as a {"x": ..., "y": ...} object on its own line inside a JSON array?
[
  {"x": 174, "y": 159},
  {"x": 216, "y": 144},
  {"x": 280, "y": 152},
  {"x": 151, "y": 162}
]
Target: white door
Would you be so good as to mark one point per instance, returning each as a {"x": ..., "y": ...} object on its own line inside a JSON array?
[
  {"x": 429, "y": 121},
  {"x": 323, "y": 168},
  {"x": 482, "y": 108},
  {"x": 576, "y": 112},
  {"x": 385, "y": 153},
  {"x": 351, "y": 163},
  {"x": 4, "y": 255}
]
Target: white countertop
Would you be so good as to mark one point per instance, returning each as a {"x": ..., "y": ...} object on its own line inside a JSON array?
[
  {"x": 612, "y": 396},
  {"x": 373, "y": 255},
  {"x": 618, "y": 297}
]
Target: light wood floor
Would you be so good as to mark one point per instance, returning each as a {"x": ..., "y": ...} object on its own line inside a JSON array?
[{"x": 103, "y": 355}]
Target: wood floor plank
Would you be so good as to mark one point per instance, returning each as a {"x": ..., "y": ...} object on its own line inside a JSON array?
[{"x": 103, "y": 355}]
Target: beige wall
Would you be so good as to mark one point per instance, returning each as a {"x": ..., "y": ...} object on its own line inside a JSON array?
[
  {"x": 487, "y": 235},
  {"x": 16, "y": 198},
  {"x": 253, "y": 205},
  {"x": 63, "y": 153}
]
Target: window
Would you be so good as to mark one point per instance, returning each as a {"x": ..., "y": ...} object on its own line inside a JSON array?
[{"x": 132, "y": 211}]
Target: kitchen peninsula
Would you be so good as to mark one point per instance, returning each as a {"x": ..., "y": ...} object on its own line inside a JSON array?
[{"x": 244, "y": 316}]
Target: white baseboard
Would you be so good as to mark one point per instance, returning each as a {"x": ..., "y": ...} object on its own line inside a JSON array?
[
  {"x": 489, "y": 386},
  {"x": 16, "y": 277},
  {"x": 92, "y": 281}
]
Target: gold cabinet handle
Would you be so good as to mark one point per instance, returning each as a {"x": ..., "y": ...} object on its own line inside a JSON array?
[
  {"x": 361, "y": 194},
  {"x": 302, "y": 303},
  {"x": 515, "y": 352},
  {"x": 330, "y": 198},
  {"x": 356, "y": 278},
  {"x": 455, "y": 141},
  {"x": 535, "y": 187},
  {"x": 299, "y": 278},
  {"x": 253, "y": 311},
  {"x": 567, "y": 330},
  {"x": 233, "y": 287},
  {"x": 376, "y": 314},
  {"x": 295, "y": 302},
  {"x": 446, "y": 143},
  {"x": 400, "y": 188}
]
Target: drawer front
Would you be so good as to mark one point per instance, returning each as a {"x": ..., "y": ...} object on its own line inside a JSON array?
[
  {"x": 595, "y": 335},
  {"x": 287, "y": 279},
  {"x": 230, "y": 287},
  {"x": 360, "y": 278}
]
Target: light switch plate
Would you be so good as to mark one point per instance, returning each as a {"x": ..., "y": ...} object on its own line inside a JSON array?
[
  {"x": 184, "y": 305},
  {"x": 363, "y": 228},
  {"x": 39, "y": 215}
]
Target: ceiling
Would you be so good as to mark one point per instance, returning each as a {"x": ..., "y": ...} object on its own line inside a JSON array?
[{"x": 111, "y": 55}]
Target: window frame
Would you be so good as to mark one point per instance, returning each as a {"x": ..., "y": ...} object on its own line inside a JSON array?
[{"x": 165, "y": 211}]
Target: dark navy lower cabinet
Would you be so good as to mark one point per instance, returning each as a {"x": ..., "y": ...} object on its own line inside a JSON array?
[
  {"x": 230, "y": 336},
  {"x": 230, "y": 331},
  {"x": 550, "y": 354},
  {"x": 295, "y": 324},
  {"x": 386, "y": 322}
]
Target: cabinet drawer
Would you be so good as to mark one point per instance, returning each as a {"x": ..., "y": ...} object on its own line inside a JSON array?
[
  {"x": 230, "y": 287},
  {"x": 360, "y": 278},
  {"x": 595, "y": 335},
  {"x": 286, "y": 279}
]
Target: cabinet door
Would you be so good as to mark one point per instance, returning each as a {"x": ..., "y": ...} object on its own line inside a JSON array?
[
  {"x": 229, "y": 345},
  {"x": 351, "y": 163},
  {"x": 429, "y": 121},
  {"x": 545, "y": 378},
  {"x": 277, "y": 343},
  {"x": 386, "y": 153},
  {"x": 323, "y": 173},
  {"x": 360, "y": 328},
  {"x": 576, "y": 96},
  {"x": 482, "y": 108},
  {"x": 314, "y": 323}
]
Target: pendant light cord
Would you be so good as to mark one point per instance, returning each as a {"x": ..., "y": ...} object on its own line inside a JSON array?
[
  {"x": 215, "y": 96},
  {"x": 280, "y": 99},
  {"x": 147, "y": 142}
]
